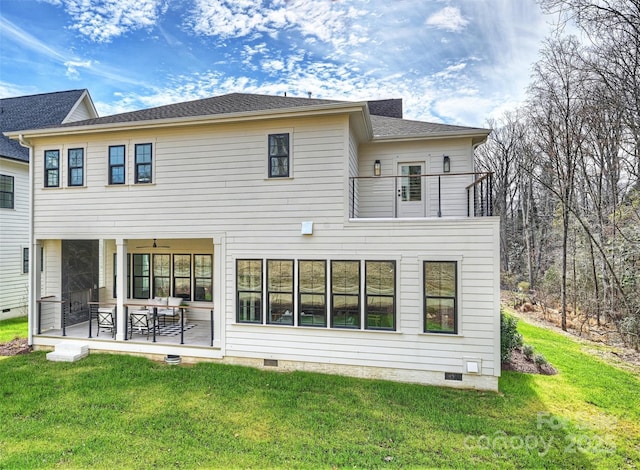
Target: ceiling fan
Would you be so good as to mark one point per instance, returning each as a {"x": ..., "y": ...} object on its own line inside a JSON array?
[{"x": 155, "y": 245}]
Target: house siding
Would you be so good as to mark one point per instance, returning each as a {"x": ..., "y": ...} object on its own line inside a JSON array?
[
  {"x": 210, "y": 185},
  {"x": 14, "y": 236}
]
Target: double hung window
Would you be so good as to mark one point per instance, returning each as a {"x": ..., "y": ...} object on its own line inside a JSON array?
[
  {"x": 249, "y": 290},
  {"x": 76, "y": 167},
  {"x": 161, "y": 275},
  {"x": 440, "y": 297},
  {"x": 312, "y": 291},
  {"x": 280, "y": 291},
  {"x": 52, "y": 168},
  {"x": 345, "y": 294},
  {"x": 117, "y": 164},
  {"x": 203, "y": 275},
  {"x": 143, "y": 163},
  {"x": 141, "y": 276},
  {"x": 7, "y": 192},
  {"x": 182, "y": 276},
  {"x": 380, "y": 280},
  {"x": 279, "y": 153}
]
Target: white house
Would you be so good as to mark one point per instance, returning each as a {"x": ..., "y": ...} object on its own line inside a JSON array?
[
  {"x": 281, "y": 232},
  {"x": 16, "y": 113}
]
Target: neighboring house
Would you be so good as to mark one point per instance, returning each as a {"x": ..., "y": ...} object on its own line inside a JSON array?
[
  {"x": 24, "y": 112},
  {"x": 293, "y": 233}
]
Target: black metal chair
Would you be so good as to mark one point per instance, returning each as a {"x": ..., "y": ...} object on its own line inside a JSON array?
[
  {"x": 106, "y": 322},
  {"x": 141, "y": 321}
]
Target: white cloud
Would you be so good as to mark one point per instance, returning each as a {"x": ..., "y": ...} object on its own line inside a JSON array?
[
  {"x": 73, "y": 65},
  {"x": 449, "y": 19},
  {"x": 103, "y": 20}
]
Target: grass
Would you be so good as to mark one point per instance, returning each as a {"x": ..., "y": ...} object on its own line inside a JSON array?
[
  {"x": 13, "y": 328},
  {"x": 112, "y": 411}
]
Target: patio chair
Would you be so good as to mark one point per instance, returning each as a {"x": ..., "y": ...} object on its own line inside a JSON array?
[
  {"x": 140, "y": 321},
  {"x": 171, "y": 310},
  {"x": 106, "y": 321}
]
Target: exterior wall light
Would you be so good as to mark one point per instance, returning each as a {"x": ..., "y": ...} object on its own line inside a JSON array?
[
  {"x": 377, "y": 168},
  {"x": 446, "y": 164}
]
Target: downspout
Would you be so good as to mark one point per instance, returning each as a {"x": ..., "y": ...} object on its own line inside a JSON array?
[{"x": 33, "y": 257}]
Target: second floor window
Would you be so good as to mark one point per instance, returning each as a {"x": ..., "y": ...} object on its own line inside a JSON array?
[
  {"x": 116, "y": 164},
  {"x": 278, "y": 155},
  {"x": 143, "y": 163},
  {"x": 76, "y": 167},
  {"x": 51, "y": 168},
  {"x": 6, "y": 192}
]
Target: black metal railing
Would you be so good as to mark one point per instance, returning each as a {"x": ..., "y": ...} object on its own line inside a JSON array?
[{"x": 478, "y": 193}]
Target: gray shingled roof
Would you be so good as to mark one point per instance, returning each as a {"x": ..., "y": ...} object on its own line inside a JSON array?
[
  {"x": 393, "y": 127},
  {"x": 224, "y": 104},
  {"x": 383, "y": 125},
  {"x": 32, "y": 112}
]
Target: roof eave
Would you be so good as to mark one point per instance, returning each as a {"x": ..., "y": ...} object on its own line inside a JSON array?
[
  {"x": 477, "y": 137},
  {"x": 322, "y": 109}
]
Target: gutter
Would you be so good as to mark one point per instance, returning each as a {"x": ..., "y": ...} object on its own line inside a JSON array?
[{"x": 33, "y": 256}]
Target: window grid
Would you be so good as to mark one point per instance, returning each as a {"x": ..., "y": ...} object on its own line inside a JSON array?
[
  {"x": 141, "y": 275},
  {"x": 117, "y": 164},
  {"x": 52, "y": 168},
  {"x": 76, "y": 167},
  {"x": 203, "y": 277},
  {"x": 161, "y": 275},
  {"x": 143, "y": 163},
  {"x": 280, "y": 292},
  {"x": 182, "y": 276},
  {"x": 440, "y": 297},
  {"x": 249, "y": 289},
  {"x": 7, "y": 192},
  {"x": 380, "y": 304},
  {"x": 279, "y": 155},
  {"x": 312, "y": 293},
  {"x": 345, "y": 294}
]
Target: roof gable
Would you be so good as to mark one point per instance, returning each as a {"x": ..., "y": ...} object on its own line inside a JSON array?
[{"x": 35, "y": 111}]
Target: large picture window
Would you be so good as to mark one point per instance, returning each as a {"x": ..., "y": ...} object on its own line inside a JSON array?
[
  {"x": 203, "y": 277},
  {"x": 7, "y": 192},
  {"x": 76, "y": 167},
  {"x": 440, "y": 297},
  {"x": 312, "y": 288},
  {"x": 182, "y": 276},
  {"x": 52, "y": 168},
  {"x": 280, "y": 291},
  {"x": 380, "y": 281},
  {"x": 141, "y": 276},
  {"x": 345, "y": 294},
  {"x": 143, "y": 163},
  {"x": 116, "y": 164},
  {"x": 249, "y": 290},
  {"x": 278, "y": 155}
]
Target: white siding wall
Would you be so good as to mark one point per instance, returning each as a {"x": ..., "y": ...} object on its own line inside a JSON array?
[
  {"x": 14, "y": 236},
  {"x": 80, "y": 113}
]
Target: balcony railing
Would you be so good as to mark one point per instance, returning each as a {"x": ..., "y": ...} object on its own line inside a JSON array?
[{"x": 422, "y": 195}]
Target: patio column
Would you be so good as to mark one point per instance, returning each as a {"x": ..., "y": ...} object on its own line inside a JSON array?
[{"x": 121, "y": 287}]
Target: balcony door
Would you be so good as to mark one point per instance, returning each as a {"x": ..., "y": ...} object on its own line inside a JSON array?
[{"x": 411, "y": 190}]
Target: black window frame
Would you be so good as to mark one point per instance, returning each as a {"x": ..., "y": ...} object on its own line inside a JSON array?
[
  {"x": 141, "y": 277},
  {"x": 175, "y": 267},
  {"x": 203, "y": 284},
  {"x": 164, "y": 276},
  {"x": 50, "y": 171},
  {"x": 117, "y": 166},
  {"x": 369, "y": 311},
  {"x": 454, "y": 298},
  {"x": 346, "y": 295},
  {"x": 316, "y": 309},
  {"x": 74, "y": 168},
  {"x": 25, "y": 260},
  {"x": 7, "y": 196},
  {"x": 254, "y": 295},
  {"x": 276, "y": 289},
  {"x": 139, "y": 165},
  {"x": 279, "y": 153}
]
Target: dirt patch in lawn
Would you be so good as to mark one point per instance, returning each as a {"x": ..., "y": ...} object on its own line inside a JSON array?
[
  {"x": 15, "y": 347},
  {"x": 520, "y": 363}
]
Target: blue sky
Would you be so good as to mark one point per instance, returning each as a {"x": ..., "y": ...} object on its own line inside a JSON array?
[{"x": 452, "y": 61}]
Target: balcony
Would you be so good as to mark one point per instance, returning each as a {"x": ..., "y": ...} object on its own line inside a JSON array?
[{"x": 421, "y": 196}]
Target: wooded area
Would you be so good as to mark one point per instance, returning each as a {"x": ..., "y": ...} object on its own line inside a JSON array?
[{"x": 567, "y": 169}]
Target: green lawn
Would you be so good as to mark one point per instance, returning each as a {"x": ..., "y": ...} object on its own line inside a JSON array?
[
  {"x": 13, "y": 328},
  {"x": 113, "y": 411}
]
